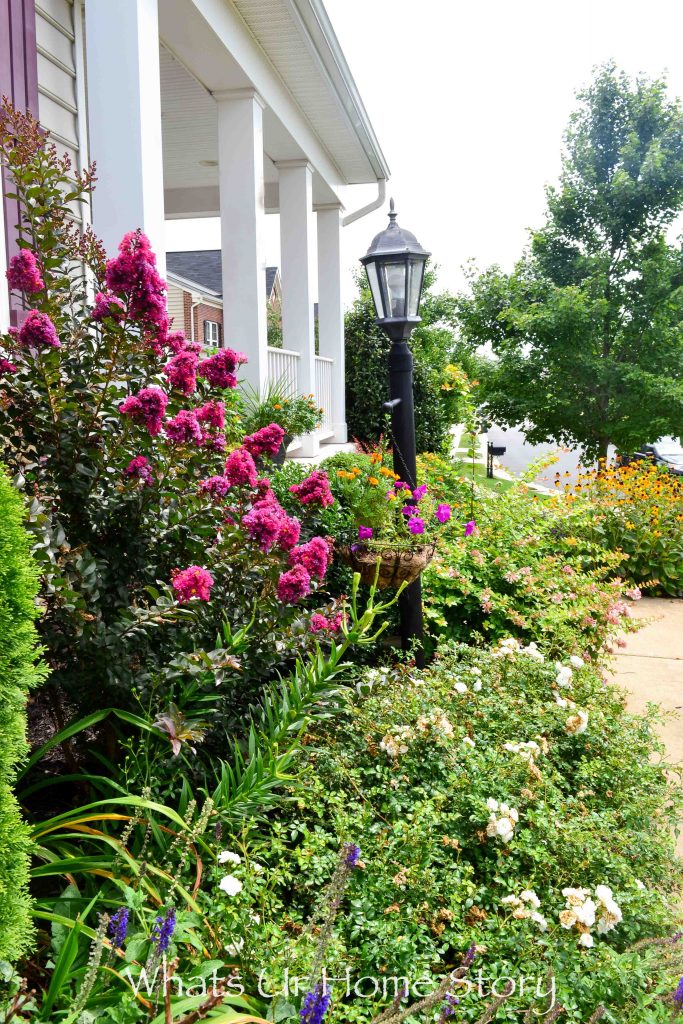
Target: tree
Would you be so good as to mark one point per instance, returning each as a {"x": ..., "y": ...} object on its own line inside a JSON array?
[
  {"x": 588, "y": 328},
  {"x": 434, "y": 346}
]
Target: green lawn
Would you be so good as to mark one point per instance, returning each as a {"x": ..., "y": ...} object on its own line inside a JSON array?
[{"x": 480, "y": 477}]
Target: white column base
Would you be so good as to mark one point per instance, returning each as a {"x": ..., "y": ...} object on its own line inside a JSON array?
[
  {"x": 341, "y": 434},
  {"x": 310, "y": 446}
]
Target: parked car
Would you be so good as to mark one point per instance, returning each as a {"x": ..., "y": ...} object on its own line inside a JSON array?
[{"x": 666, "y": 452}]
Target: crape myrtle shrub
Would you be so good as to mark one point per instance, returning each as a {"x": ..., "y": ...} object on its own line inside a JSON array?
[
  {"x": 485, "y": 793},
  {"x": 367, "y": 369},
  {"x": 18, "y": 672},
  {"x": 148, "y": 528}
]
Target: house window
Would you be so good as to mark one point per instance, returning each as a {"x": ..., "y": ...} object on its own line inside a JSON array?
[{"x": 212, "y": 333}]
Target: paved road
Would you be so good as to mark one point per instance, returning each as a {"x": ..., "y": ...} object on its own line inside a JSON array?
[{"x": 520, "y": 453}]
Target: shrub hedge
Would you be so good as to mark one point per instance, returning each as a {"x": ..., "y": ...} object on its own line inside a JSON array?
[{"x": 18, "y": 672}]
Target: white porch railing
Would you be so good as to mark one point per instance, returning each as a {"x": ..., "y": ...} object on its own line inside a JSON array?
[
  {"x": 323, "y": 390},
  {"x": 283, "y": 365}
]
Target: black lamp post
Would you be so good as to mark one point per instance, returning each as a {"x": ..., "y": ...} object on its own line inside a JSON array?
[{"x": 395, "y": 264}]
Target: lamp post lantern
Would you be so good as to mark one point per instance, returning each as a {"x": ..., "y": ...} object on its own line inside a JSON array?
[{"x": 395, "y": 264}]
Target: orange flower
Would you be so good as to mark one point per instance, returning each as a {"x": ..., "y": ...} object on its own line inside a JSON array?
[{"x": 373, "y": 481}]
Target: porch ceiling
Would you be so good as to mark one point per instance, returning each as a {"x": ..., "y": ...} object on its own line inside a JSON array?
[{"x": 286, "y": 52}]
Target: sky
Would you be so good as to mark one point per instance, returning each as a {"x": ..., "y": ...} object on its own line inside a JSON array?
[{"x": 469, "y": 102}]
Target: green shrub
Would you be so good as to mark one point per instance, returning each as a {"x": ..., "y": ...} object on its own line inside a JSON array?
[
  {"x": 407, "y": 773},
  {"x": 530, "y": 569},
  {"x": 367, "y": 370},
  {"x": 18, "y": 672}
]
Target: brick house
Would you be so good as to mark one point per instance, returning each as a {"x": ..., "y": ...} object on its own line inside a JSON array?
[{"x": 195, "y": 294}]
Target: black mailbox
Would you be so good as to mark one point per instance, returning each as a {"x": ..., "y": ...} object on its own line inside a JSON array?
[{"x": 497, "y": 450}]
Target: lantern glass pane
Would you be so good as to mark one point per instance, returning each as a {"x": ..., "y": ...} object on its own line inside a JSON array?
[
  {"x": 417, "y": 268},
  {"x": 373, "y": 280},
  {"x": 395, "y": 277}
]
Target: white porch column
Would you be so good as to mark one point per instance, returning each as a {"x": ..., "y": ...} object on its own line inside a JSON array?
[
  {"x": 297, "y": 241},
  {"x": 240, "y": 170},
  {"x": 330, "y": 312},
  {"x": 124, "y": 121}
]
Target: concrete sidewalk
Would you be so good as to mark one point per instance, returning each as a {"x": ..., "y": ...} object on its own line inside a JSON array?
[{"x": 650, "y": 668}]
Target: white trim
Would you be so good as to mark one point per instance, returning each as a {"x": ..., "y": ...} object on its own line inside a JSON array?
[{"x": 212, "y": 298}]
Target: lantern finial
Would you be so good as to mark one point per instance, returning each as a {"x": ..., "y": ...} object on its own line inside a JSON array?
[{"x": 392, "y": 212}]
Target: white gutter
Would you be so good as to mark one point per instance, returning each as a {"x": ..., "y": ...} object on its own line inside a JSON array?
[{"x": 374, "y": 205}]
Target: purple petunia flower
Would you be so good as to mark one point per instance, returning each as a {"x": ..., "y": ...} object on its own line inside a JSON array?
[
  {"x": 163, "y": 930},
  {"x": 443, "y": 513},
  {"x": 420, "y": 492},
  {"x": 118, "y": 927},
  {"x": 416, "y": 525},
  {"x": 364, "y": 532},
  {"x": 315, "y": 1005},
  {"x": 470, "y": 528}
]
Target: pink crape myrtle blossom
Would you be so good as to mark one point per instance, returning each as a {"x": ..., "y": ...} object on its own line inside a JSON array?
[
  {"x": 183, "y": 428},
  {"x": 267, "y": 440},
  {"x": 293, "y": 585},
  {"x": 219, "y": 369},
  {"x": 23, "y": 273},
  {"x": 147, "y": 408},
  {"x": 133, "y": 275},
  {"x": 314, "y": 490},
  {"x": 320, "y": 623},
  {"x": 108, "y": 305},
  {"x": 264, "y": 523},
  {"x": 139, "y": 468},
  {"x": 215, "y": 486},
  {"x": 314, "y": 556},
  {"x": 38, "y": 331},
  {"x": 6, "y": 367},
  {"x": 192, "y": 582},
  {"x": 240, "y": 469},
  {"x": 211, "y": 414},
  {"x": 634, "y": 593},
  {"x": 181, "y": 371},
  {"x": 290, "y": 529}
]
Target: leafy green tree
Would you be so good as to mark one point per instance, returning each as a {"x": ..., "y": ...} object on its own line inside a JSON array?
[
  {"x": 588, "y": 329},
  {"x": 434, "y": 346}
]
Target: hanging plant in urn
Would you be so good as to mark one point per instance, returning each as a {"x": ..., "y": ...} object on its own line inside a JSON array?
[{"x": 393, "y": 528}]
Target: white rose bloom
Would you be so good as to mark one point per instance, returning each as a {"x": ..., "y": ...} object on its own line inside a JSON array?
[
  {"x": 586, "y": 913},
  {"x": 564, "y": 676},
  {"x": 230, "y": 885},
  {"x": 468, "y": 742},
  {"x": 639, "y": 884},
  {"x": 514, "y": 900},
  {"x": 477, "y": 686},
  {"x": 603, "y": 893},
  {"x": 576, "y": 661},
  {"x": 492, "y": 804},
  {"x": 228, "y": 857},
  {"x": 474, "y": 670},
  {"x": 529, "y": 896},
  {"x": 460, "y": 687},
  {"x": 492, "y": 827},
  {"x": 586, "y": 939},
  {"x": 539, "y": 920},
  {"x": 577, "y": 724},
  {"x": 567, "y": 918},
  {"x": 257, "y": 868},
  {"x": 560, "y": 701},
  {"x": 256, "y": 918},
  {"x": 505, "y": 828},
  {"x": 233, "y": 948}
]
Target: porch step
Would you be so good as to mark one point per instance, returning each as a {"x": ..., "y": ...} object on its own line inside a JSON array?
[{"x": 327, "y": 448}]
